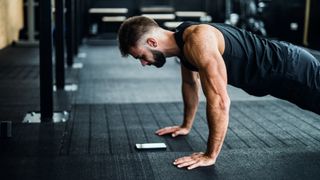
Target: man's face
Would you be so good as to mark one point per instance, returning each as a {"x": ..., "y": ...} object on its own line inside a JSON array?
[
  {"x": 159, "y": 58},
  {"x": 148, "y": 56}
]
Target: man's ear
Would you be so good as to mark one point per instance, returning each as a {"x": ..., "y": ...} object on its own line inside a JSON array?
[{"x": 152, "y": 42}]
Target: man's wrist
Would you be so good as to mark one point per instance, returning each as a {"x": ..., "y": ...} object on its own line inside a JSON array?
[
  {"x": 211, "y": 155},
  {"x": 186, "y": 126}
]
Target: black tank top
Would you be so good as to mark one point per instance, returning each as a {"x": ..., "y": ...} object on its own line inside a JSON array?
[{"x": 250, "y": 60}]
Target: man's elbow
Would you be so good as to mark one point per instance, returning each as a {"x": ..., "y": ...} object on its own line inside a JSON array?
[
  {"x": 191, "y": 83},
  {"x": 221, "y": 104},
  {"x": 224, "y": 104}
]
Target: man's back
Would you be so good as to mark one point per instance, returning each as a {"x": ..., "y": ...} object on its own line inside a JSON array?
[
  {"x": 251, "y": 61},
  {"x": 261, "y": 66}
]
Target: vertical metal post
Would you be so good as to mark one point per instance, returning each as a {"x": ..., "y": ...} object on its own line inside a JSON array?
[
  {"x": 206, "y": 6},
  {"x": 31, "y": 21},
  {"x": 70, "y": 31},
  {"x": 46, "y": 90},
  {"x": 306, "y": 23},
  {"x": 81, "y": 20},
  {"x": 76, "y": 27},
  {"x": 87, "y": 17},
  {"x": 59, "y": 42},
  {"x": 228, "y": 9}
]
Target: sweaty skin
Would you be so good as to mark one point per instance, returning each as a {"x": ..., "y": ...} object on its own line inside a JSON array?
[{"x": 204, "y": 46}]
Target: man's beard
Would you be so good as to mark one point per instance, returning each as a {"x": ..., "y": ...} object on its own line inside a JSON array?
[{"x": 159, "y": 58}]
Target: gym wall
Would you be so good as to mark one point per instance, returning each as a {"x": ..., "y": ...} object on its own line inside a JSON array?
[
  {"x": 285, "y": 21},
  {"x": 314, "y": 28},
  {"x": 134, "y": 5},
  {"x": 11, "y": 21}
]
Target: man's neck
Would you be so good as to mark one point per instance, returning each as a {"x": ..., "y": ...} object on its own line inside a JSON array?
[{"x": 170, "y": 47}]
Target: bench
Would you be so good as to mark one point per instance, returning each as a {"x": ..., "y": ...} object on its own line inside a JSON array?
[
  {"x": 113, "y": 18},
  {"x": 157, "y": 9},
  {"x": 108, "y": 11},
  {"x": 171, "y": 25},
  {"x": 106, "y": 20},
  {"x": 198, "y": 16},
  {"x": 163, "y": 17}
]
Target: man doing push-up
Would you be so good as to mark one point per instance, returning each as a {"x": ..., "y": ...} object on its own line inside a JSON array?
[{"x": 218, "y": 55}]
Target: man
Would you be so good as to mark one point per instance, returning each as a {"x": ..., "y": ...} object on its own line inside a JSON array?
[{"x": 219, "y": 54}]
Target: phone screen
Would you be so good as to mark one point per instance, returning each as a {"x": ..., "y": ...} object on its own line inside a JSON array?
[{"x": 151, "y": 146}]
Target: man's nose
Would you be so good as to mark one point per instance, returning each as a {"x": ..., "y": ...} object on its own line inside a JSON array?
[{"x": 143, "y": 62}]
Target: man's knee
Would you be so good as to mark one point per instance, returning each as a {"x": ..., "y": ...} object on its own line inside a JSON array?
[{"x": 302, "y": 95}]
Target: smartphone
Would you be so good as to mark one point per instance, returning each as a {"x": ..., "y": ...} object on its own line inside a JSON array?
[{"x": 151, "y": 146}]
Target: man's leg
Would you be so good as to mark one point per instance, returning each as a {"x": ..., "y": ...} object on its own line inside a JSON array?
[
  {"x": 300, "y": 84},
  {"x": 307, "y": 98}
]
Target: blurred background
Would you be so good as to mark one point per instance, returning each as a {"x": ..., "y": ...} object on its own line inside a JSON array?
[
  {"x": 72, "y": 108},
  {"x": 295, "y": 21},
  {"x": 76, "y": 60}
]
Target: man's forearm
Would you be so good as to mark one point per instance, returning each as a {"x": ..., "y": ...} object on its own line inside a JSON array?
[
  {"x": 218, "y": 119},
  {"x": 190, "y": 93}
]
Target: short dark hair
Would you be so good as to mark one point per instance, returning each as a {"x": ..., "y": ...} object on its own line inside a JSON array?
[{"x": 131, "y": 30}]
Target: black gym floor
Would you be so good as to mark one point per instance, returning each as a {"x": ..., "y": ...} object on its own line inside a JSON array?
[{"x": 119, "y": 103}]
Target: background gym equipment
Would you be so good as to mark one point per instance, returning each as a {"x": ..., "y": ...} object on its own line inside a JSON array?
[{"x": 91, "y": 133}]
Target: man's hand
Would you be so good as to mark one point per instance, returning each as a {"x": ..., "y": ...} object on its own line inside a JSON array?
[
  {"x": 173, "y": 130},
  {"x": 194, "y": 160}
]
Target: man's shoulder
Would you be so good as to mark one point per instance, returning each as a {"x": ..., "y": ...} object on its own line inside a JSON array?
[{"x": 201, "y": 33}]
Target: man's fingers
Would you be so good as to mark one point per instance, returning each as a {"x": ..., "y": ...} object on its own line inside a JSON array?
[
  {"x": 188, "y": 163},
  {"x": 159, "y": 130},
  {"x": 179, "y": 132},
  {"x": 176, "y": 133},
  {"x": 182, "y": 160},
  {"x": 166, "y": 130},
  {"x": 173, "y": 130},
  {"x": 193, "y": 161},
  {"x": 162, "y": 129},
  {"x": 195, "y": 165}
]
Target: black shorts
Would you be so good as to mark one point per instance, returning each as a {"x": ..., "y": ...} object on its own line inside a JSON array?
[{"x": 299, "y": 83}]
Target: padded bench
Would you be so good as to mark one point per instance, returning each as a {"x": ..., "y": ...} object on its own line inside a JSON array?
[
  {"x": 171, "y": 25},
  {"x": 106, "y": 20},
  {"x": 108, "y": 11},
  {"x": 159, "y": 13},
  {"x": 161, "y": 17},
  {"x": 190, "y": 13},
  {"x": 113, "y": 18},
  {"x": 198, "y": 16},
  {"x": 157, "y": 9}
]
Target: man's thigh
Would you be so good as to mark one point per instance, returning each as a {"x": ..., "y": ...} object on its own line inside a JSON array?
[
  {"x": 300, "y": 94},
  {"x": 300, "y": 83}
]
